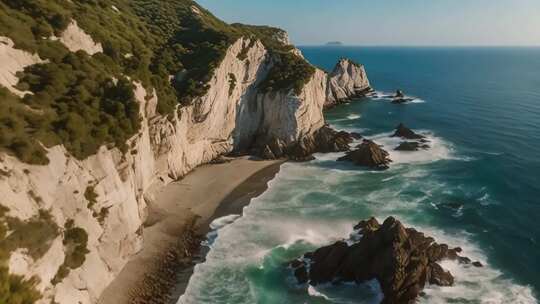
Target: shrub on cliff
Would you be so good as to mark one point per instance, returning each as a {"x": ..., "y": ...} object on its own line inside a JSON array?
[
  {"x": 289, "y": 72},
  {"x": 85, "y": 101},
  {"x": 36, "y": 236}
]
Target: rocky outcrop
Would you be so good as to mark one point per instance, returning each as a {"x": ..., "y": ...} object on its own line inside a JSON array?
[
  {"x": 348, "y": 80},
  {"x": 403, "y": 261},
  {"x": 404, "y": 132},
  {"x": 107, "y": 193},
  {"x": 324, "y": 140},
  {"x": 13, "y": 61},
  {"x": 75, "y": 39},
  {"x": 399, "y": 97},
  {"x": 368, "y": 154}
]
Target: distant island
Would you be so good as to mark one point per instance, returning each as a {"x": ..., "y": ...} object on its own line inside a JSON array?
[{"x": 334, "y": 43}]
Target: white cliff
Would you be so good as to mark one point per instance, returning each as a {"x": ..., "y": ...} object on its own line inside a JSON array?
[
  {"x": 165, "y": 148},
  {"x": 348, "y": 79},
  {"x": 13, "y": 61},
  {"x": 75, "y": 39}
]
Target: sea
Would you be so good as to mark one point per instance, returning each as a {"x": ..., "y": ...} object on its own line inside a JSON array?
[{"x": 476, "y": 187}]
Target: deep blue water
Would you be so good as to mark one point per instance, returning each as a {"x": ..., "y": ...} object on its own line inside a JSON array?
[
  {"x": 477, "y": 186},
  {"x": 486, "y": 102}
]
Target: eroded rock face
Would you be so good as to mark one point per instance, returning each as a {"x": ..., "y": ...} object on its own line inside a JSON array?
[
  {"x": 165, "y": 149},
  {"x": 404, "y": 132},
  {"x": 324, "y": 140},
  {"x": 348, "y": 80},
  {"x": 403, "y": 260},
  {"x": 368, "y": 154}
]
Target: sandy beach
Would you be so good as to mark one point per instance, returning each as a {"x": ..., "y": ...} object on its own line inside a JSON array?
[{"x": 179, "y": 216}]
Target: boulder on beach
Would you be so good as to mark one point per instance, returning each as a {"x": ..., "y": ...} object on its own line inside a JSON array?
[
  {"x": 368, "y": 154},
  {"x": 403, "y": 260},
  {"x": 404, "y": 132}
]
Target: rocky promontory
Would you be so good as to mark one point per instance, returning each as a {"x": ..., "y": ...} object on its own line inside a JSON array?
[{"x": 403, "y": 261}]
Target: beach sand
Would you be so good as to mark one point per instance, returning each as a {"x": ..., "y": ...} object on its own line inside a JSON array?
[{"x": 181, "y": 211}]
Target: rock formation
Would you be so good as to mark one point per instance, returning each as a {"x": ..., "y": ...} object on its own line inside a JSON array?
[
  {"x": 411, "y": 146},
  {"x": 107, "y": 193},
  {"x": 324, "y": 140},
  {"x": 368, "y": 154},
  {"x": 348, "y": 80},
  {"x": 399, "y": 97},
  {"x": 403, "y": 260},
  {"x": 404, "y": 132}
]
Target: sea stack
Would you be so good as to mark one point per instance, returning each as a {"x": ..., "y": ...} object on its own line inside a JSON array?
[
  {"x": 368, "y": 154},
  {"x": 403, "y": 260},
  {"x": 404, "y": 132}
]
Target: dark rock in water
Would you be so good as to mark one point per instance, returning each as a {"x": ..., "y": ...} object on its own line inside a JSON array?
[
  {"x": 301, "y": 274},
  {"x": 403, "y": 260},
  {"x": 439, "y": 276},
  {"x": 324, "y": 140},
  {"x": 477, "y": 264},
  {"x": 355, "y": 135},
  {"x": 399, "y": 97},
  {"x": 411, "y": 146},
  {"x": 404, "y": 132},
  {"x": 452, "y": 205},
  {"x": 368, "y": 154}
]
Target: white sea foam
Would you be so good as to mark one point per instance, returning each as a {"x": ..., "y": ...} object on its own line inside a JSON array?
[
  {"x": 312, "y": 291},
  {"x": 474, "y": 284},
  {"x": 286, "y": 219},
  {"x": 439, "y": 149},
  {"x": 353, "y": 116},
  {"x": 385, "y": 96}
]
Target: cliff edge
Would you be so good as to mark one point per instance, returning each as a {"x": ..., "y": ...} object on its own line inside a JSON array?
[{"x": 82, "y": 194}]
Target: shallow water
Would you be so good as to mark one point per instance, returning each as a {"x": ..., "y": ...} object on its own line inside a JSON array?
[{"x": 476, "y": 187}]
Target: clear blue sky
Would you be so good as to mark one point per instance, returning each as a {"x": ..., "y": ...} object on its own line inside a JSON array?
[{"x": 392, "y": 22}]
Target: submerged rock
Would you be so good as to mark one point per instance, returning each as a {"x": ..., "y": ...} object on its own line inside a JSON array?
[
  {"x": 411, "y": 146},
  {"x": 404, "y": 132},
  {"x": 368, "y": 154},
  {"x": 403, "y": 260},
  {"x": 399, "y": 97}
]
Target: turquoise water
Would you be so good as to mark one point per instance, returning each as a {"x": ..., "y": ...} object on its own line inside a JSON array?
[{"x": 477, "y": 187}]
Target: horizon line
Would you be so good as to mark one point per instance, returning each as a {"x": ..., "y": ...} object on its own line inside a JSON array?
[{"x": 426, "y": 45}]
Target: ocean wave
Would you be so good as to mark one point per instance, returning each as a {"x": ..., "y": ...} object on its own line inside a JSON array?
[
  {"x": 439, "y": 149},
  {"x": 473, "y": 284}
]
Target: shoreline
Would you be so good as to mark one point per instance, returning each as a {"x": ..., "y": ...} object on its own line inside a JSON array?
[{"x": 178, "y": 220}]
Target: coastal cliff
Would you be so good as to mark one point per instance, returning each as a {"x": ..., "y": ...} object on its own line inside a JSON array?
[{"x": 94, "y": 207}]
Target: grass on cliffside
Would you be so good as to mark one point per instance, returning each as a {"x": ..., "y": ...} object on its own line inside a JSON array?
[
  {"x": 85, "y": 101},
  {"x": 35, "y": 236}
]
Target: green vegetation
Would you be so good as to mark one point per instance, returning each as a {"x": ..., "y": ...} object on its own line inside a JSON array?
[
  {"x": 91, "y": 196},
  {"x": 75, "y": 244},
  {"x": 15, "y": 289},
  {"x": 36, "y": 236},
  {"x": 85, "y": 101},
  {"x": 102, "y": 215},
  {"x": 232, "y": 83},
  {"x": 289, "y": 72}
]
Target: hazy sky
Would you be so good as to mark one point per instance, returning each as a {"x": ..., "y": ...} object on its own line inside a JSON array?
[{"x": 392, "y": 22}]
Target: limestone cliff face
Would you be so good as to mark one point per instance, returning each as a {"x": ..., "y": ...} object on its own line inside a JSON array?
[
  {"x": 231, "y": 116},
  {"x": 348, "y": 79}
]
